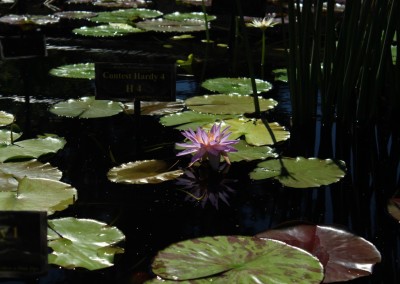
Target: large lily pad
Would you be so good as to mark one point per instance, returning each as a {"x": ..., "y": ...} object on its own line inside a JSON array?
[
  {"x": 301, "y": 172},
  {"x": 6, "y": 118},
  {"x": 162, "y": 25},
  {"x": 125, "y": 16},
  {"x": 193, "y": 16},
  {"x": 87, "y": 107},
  {"x": 345, "y": 256},
  {"x": 237, "y": 259},
  {"x": 11, "y": 173},
  {"x": 238, "y": 86},
  {"x": 83, "y": 243},
  {"x": 248, "y": 152},
  {"x": 143, "y": 172},
  {"x": 156, "y": 108},
  {"x": 7, "y": 137},
  {"x": 38, "y": 194},
  {"x": 110, "y": 30},
  {"x": 31, "y": 148},
  {"x": 227, "y": 104},
  {"x": 190, "y": 119},
  {"x": 77, "y": 71}
]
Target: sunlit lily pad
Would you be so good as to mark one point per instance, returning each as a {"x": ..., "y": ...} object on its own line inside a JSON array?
[
  {"x": 75, "y": 14},
  {"x": 345, "y": 256},
  {"x": 77, "y": 71},
  {"x": 162, "y": 25},
  {"x": 280, "y": 75},
  {"x": 125, "y": 16},
  {"x": 143, "y": 172},
  {"x": 7, "y": 137},
  {"x": 194, "y": 16},
  {"x": 11, "y": 173},
  {"x": 255, "y": 132},
  {"x": 237, "y": 259},
  {"x": 301, "y": 172},
  {"x": 156, "y": 108},
  {"x": 31, "y": 148},
  {"x": 227, "y": 104},
  {"x": 83, "y": 243},
  {"x": 110, "y": 30},
  {"x": 87, "y": 107},
  {"x": 38, "y": 194},
  {"x": 6, "y": 118},
  {"x": 247, "y": 152},
  {"x": 240, "y": 86},
  {"x": 21, "y": 20},
  {"x": 190, "y": 119}
]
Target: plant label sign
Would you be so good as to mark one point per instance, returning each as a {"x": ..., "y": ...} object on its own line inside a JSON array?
[
  {"x": 23, "y": 244},
  {"x": 22, "y": 46},
  {"x": 130, "y": 81}
]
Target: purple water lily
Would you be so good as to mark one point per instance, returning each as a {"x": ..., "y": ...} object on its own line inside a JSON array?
[{"x": 208, "y": 145}]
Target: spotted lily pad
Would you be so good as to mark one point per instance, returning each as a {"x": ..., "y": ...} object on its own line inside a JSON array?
[
  {"x": 143, "y": 172},
  {"x": 344, "y": 256},
  {"x": 163, "y": 25},
  {"x": 301, "y": 172},
  {"x": 12, "y": 172},
  {"x": 77, "y": 71},
  {"x": 237, "y": 259},
  {"x": 31, "y": 148},
  {"x": 194, "y": 16},
  {"x": 239, "y": 86},
  {"x": 83, "y": 243},
  {"x": 38, "y": 194},
  {"x": 110, "y": 30},
  {"x": 125, "y": 16},
  {"x": 7, "y": 137},
  {"x": 87, "y": 107},
  {"x": 248, "y": 152},
  {"x": 227, "y": 104},
  {"x": 6, "y": 118}
]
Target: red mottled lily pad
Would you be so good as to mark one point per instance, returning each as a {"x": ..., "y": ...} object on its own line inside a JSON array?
[{"x": 345, "y": 256}]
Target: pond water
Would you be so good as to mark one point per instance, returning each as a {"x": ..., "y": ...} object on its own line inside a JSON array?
[{"x": 155, "y": 216}]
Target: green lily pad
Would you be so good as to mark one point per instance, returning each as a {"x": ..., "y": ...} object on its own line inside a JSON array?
[
  {"x": 38, "y": 194},
  {"x": 31, "y": 148},
  {"x": 194, "y": 16},
  {"x": 110, "y": 30},
  {"x": 280, "y": 75},
  {"x": 83, "y": 243},
  {"x": 143, "y": 172},
  {"x": 87, "y": 107},
  {"x": 162, "y": 25},
  {"x": 247, "y": 152},
  {"x": 238, "y": 86},
  {"x": 237, "y": 259},
  {"x": 302, "y": 172},
  {"x": 156, "y": 108},
  {"x": 75, "y": 14},
  {"x": 190, "y": 119},
  {"x": 76, "y": 71},
  {"x": 125, "y": 16},
  {"x": 11, "y": 173},
  {"x": 255, "y": 132},
  {"x": 7, "y": 137},
  {"x": 6, "y": 118},
  {"x": 227, "y": 104}
]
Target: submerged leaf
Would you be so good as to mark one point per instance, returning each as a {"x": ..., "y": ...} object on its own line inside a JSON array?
[
  {"x": 83, "y": 243},
  {"x": 300, "y": 172},
  {"x": 345, "y": 256},
  {"x": 237, "y": 259},
  {"x": 238, "y": 86},
  {"x": 143, "y": 172}
]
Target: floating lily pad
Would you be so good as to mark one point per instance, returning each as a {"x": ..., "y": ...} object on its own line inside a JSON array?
[
  {"x": 162, "y": 25},
  {"x": 345, "y": 256},
  {"x": 21, "y": 20},
  {"x": 38, "y": 194},
  {"x": 143, "y": 172},
  {"x": 11, "y": 173},
  {"x": 156, "y": 108},
  {"x": 302, "y": 172},
  {"x": 227, "y": 104},
  {"x": 110, "y": 30},
  {"x": 121, "y": 3},
  {"x": 248, "y": 152},
  {"x": 190, "y": 119},
  {"x": 87, "y": 107},
  {"x": 280, "y": 75},
  {"x": 6, "y": 118},
  {"x": 237, "y": 259},
  {"x": 206, "y": 3},
  {"x": 83, "y": 243},
  {"x": 7, "y": 137},
  {"x": 74, "y": 15},
  {"x": 76, "y": 71},
  {"x": 239, "y": 86},
  {"x": 194, "y": 16},
  {"x": 125, "y": 16},
  {"x": 31, "y": 148}
]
